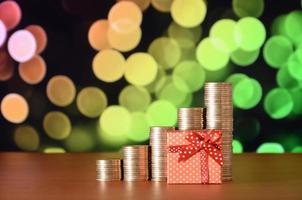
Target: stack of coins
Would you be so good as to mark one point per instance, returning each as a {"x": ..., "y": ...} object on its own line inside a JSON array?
[
  {"x": 108, "y": 170},
  {"x": 219, "y": 115},
  {"x": 190, "y": 118},
  {"x": 158, "y": 143},
  {"x": 136, "y": 163}
]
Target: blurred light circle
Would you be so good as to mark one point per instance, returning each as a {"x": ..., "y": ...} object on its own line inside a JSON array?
[
  {"x": 243, "y": 8},
  {"x": 188, "y": 13},
  {"x": 26, "y": 138},
  {"x": 61, "y": 90},
  {"x": 252, "y": 33},
  {"x": 185, "y": 37},
  {"x": 293, "y": 26},
  {"x": 277, "y": 50},
  {"x": 166, "y": 51},
  {"x": 162, "y": 113},
  {"x": 57, "y": 125},
  {"x": 286, "y": 80},
  {"x": 115, "y": 121},
  {"x": 143, "y": 4},
  {"x": 97, "y": 35},
  {"x": 3, "y": 33},
  {"x": 219, "y": 75},
  {"x": 125, "y": 16},
  {"x": 22, "y": 46},
  {"x": 33, "y": 71},
  {"x": 237, "y": 146},
  {"x": 108, "y": 65},
  {"x": 191, "y": 74},
  {"x": 10, "y": 14},
  {"x": 160, "y": 74},
  {"x": 278, "y": 25},
  {"x": 162, "y": 5},
  {"x": 140, "y": 69},
  {"x": 79, "y": 140},
  {"x": 212, "y": 54},
  {"x": 270, "y": 147},
  {"x": 40, "y": 36},
  {"x": 171, "y": 93},
  {"x": 244, "y": 58},
  {"x": 247, "y": 93},
  {"x": 187, "y": 102},
  {"x": 278, "y": 103},
  {"x": 124, "y": 41},
  {"x": 297, "y": 149},
  {"x": 54, "y": 150},
  {"x": 225, "y": 29},
  {"x": 6, "y": 66},
  {"x": 294, "y": 68},
  {"x": 14, "y": 108},
  {"x": 91, "y": 101},
  {"x": 134, "y": 98},
  {"x": 139, "y": 128},
  {"x": 296, "y": 95},
  {"x": 236, "y": 78}
]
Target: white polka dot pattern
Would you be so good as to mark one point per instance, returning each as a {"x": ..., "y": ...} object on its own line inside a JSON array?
[{"x": 194, "y": 157}]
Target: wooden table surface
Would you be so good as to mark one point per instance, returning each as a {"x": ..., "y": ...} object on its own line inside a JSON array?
[{"x": 72, "y": 176}]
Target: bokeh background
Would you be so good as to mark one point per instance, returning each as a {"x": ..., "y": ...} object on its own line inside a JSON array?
[{"x": 93, "y": 75}]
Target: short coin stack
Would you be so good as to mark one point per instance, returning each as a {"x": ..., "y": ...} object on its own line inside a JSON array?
[
  {"x": 108, "y": 170},
  {"x": 158, "y": 143},
  {"x": 219, "y": 115},
  {"x": 190, "y": 118},
  {"x": 136, "y": 163}
]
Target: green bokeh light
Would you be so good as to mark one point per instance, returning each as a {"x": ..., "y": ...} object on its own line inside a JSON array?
[
  {"x": 212, "y": 54},
  {"x": 278, "y": 103},
  {"x": 252, "y": 33},
  {"x": 57, "y": 125},
  {"x": 296, "y": 95},
  {"x": 187, "y": 102},
  {"x": 285, "y": 79},
  {"x": 225, "y": 29},
  {"x": 294, "y": 67},
  {"x": 80, "y": 140},
  {"x": 247, "y": 93},
  {"x": 270, "y": 147},
  {"x": 236, "y": 78},
  {"x": 161, "y": 73},
  {"x": 188, "y": 13},
  {"x": 244, "y": 58},
  {"x": 139, "y": 129},
  {"x": 243, "y": 8},
  {"x": 162, "y": 113},
  {"x": 134, "y": 98},
  {"x": 189, "y": 76},
  {"x": 278, "y": 25},
  {"x": 297, "y": 149},
  {"x": 185, "y": 37},
  {"x": 293, "y": 26},
  {"x": 277, "y": 50},
  {"x": 54, "y": 150},
  {"x": 91, "y": 101},
  {"x": 237, "y": 146},
  {"x": 166, "y": 51},
  {"x": 26, "y": 138},
  {"x": 115, "y": 124}
]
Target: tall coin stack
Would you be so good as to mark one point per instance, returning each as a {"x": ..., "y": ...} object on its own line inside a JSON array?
[
  {"x": 136, "y": 163},
  {"x": 190, "y": 118},
  {"x": 108, "y": 170},
  {"x": 158, "y": 143},
  {"x": 219, "y": 115}
]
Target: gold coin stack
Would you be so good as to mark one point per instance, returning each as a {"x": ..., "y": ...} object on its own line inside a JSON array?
[
  {"x": 190, "y": 118},
  {"x": 219, "y": 115},
  {"x": 136, "y": 163},
  {"x": 108, "y": 170},
  {"x": 158, "y": 143}
]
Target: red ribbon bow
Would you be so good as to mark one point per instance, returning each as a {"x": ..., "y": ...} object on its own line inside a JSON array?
[{"x": 209, "y": 141}]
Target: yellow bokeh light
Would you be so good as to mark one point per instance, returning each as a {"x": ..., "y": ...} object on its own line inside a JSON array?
[
  {"x": 26, "y": 138},
  {"x": 140, "y": 69},
  {"x": 125, "y": 16},
  {"x": 61, "y": 90},
  {"x": 57, "y": 125},
  {"x": 188, "y": 13},
  {"x": 80, "y": 140},
  {"x": 53, "y": 150},
  {"x": 143, "y": 4},
  {"x": 162, "y": 5},
  {"x": 160, "y": 74},
  {"x": 91, "y": 101},
  {"x": 14, "y": 108},
  {"x": 124, "y": 41},
  {"x": 108, "y": 65},
  {"x": 97, "y": 35},
  {"x": 139, "y": 129}
]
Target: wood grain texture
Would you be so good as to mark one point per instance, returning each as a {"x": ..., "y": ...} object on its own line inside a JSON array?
[{"x": 72, "y": 176}]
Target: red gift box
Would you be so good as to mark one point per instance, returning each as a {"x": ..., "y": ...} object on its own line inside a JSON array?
[{"x": 194, "y": 157}]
